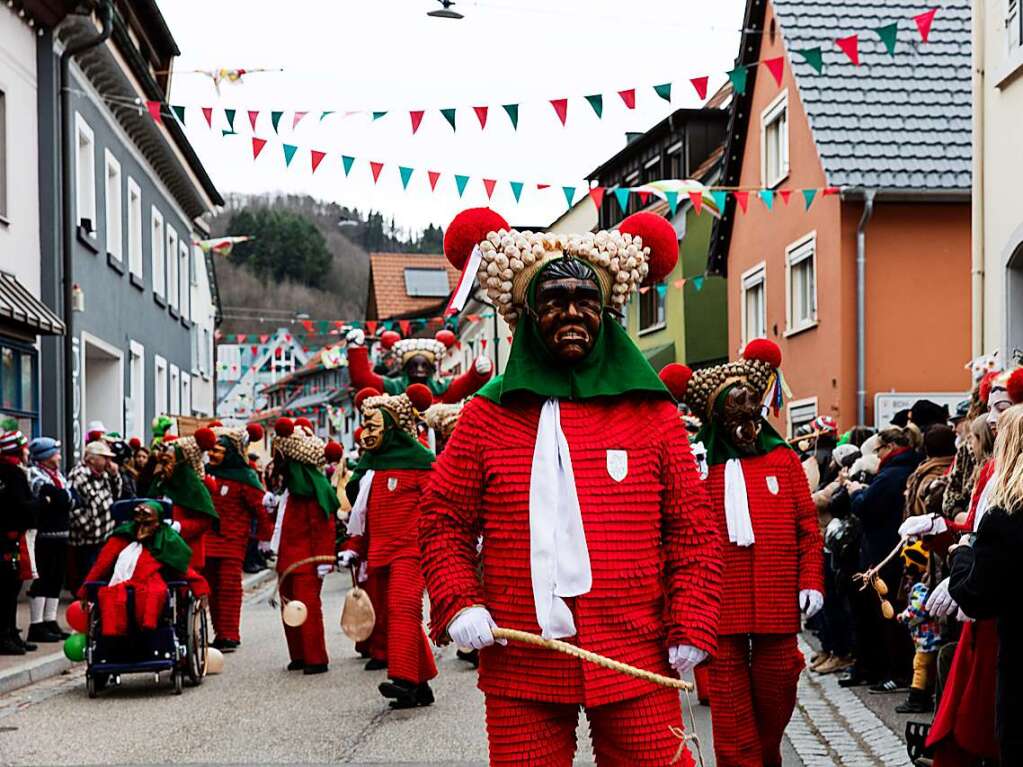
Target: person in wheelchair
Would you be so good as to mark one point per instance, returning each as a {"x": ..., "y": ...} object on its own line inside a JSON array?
[{"x": 139, "y": 555}]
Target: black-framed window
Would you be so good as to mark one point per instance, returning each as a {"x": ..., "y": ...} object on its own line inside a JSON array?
[{"x": 19, "y": 386}]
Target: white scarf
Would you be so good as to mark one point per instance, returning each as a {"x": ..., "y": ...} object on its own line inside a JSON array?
[
  {"x": 558, "y": 556},
  {"x": 357, "y": 519},
  {"x": 740, "y": 526},
  {"x": 282, "y": 506},
  {"x": 124, "y": 568}
]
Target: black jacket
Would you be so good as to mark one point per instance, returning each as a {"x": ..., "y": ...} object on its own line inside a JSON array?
[
  {"x": 985, "y": 581},
  {"x": 18, "y": 509},
  {"x": 880, "y": 507}
]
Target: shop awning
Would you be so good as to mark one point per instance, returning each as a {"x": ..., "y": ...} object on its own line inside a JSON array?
[
  {"x": 659, "y": 356},
  {"x": 18, "y": 305}
]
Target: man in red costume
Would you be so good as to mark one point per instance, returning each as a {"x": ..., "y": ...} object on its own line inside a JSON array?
[
  {"x": 772, "y": 551},
  {"x": 385, "y": 490},
  {"x": 239, "y": 501},
  {"x": 304, "y": 529},
  {"x": 574, "y": 468}
]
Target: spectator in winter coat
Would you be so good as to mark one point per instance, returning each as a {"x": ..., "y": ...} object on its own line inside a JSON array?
[
  {"x": 97, "y": 483},
  {"x": 17, "y": 515},
  {"x": 939, "y": 450}
]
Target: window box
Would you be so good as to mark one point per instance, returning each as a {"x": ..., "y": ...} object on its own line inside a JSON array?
[
  {"x": 87, "y": 237},
  {"x": 160, "y": 300},
  {"x": 115, "y": 263},
  {"x": 136, "y": 281}
]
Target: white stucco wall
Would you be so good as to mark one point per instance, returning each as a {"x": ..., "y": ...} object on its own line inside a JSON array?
[{"x": 203, "y": 314}]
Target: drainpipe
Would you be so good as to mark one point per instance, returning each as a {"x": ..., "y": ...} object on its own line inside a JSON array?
[
  {"x": 861, "y": 307},
  {"x": 977, "y": 213},
  {"x": 67, "y": 151}
]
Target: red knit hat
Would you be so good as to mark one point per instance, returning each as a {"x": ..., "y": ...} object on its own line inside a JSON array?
[
  {"x": 333, "y": 452},
  {"x": 675, "y": 378}
]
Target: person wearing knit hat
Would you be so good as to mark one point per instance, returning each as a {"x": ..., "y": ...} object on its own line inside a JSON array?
[
  {"x": 20, "y": 511},
  {"x": 239, "y": 502},
  {"x": 385, "y": 490},
  {"x": 304, "y": 528},
  {"x": 772, "y": 550},
  {"x": 579, "y": 428}
]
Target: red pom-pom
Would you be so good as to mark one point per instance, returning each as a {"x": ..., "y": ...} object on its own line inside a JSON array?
[
  {"x": 984, "y": 390},
  {"x": 467, "y": 230},
  {"x": 446, "y": 337},
  {"x": 333, "y": 452},
  {"x": 364, "y": 394},
  {"x": 420, "y": 397},
  {"x": 1015, "y": 386},
  {"x": 205, "y": 438},
  {"x": 357, "y": 434},
  {"x": 215, "y": 424},
  {"x": 284, "y": 427},
  {"x": 764, "y": 350},
  {"x": 134, "y": 443},
  {"x": 389, "y": 338},
  {"x": 255, "y": 432},
  {"x": 675, "y": 378},
  {"x": 659, "y": 235},
  {"x": 305, "y": 423}
]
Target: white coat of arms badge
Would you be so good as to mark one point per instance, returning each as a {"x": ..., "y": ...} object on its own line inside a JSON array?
[
  {"x": 223, "y": 489},
  {"x": 617, "y": 464},
  {"x": 392, "y": 483},
  {"x": 772, "y": 484}
]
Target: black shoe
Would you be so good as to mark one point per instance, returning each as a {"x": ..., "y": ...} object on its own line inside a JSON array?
[
  {"x": 315, "y": 668},
  {"x": 375, "y": 665},
  {"x": 918, "y": 702},
  {"x": 405, "y": 694},
  {"x": 225, "y": 645},
  {"x": 472, "y": 657},
  {"x": 29, "y": 646},
  {"x": 854, "y": 679},
  {"x": 251, "y": 568},
  {"x": 55, "y": 628},
  {"x": 423, "y": 697},
  {"x": 40, "y": 632},
  {"x": 296, "y": 665},
  {"x": 886, "y": 687},
  {"x": 9, "y": 647}
]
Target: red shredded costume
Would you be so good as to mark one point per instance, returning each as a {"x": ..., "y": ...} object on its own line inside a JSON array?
[{"x": 362, "y": 376}]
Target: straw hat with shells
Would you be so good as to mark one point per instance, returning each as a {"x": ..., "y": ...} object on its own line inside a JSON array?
[
  {"x": 297, "y": 442},
  {"x": 403, "y": 408}
]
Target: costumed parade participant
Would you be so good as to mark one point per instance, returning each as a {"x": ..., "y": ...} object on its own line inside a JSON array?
[
  {"x": 19, "y": 516},
  {"x": 238, "y": 501},
  {"x": 385, "y": 490},
  {"x": 771, "y": 548},
  {"x": 574, "y": 467},
  {"x": 304, "y": 529},
  {"x": 419, "y": 360}
]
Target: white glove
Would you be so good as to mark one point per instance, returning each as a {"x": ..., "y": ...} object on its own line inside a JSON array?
[
  {"x": 347, "y": 558},
  {"x": 265, "y": 547},
  {"x": 269, "y": 501},
  {"x": 963, "y": 617},
  {"x": 810, "y": 602},
  {"x": 175, "y": 526},
  {"x": 940, "y": 603},
  {"x": 474, "y": 628},
  {"x": 322, "y": 570},
  {"x": 923, "y": 524},
  {"x": 684, "y": 658},
  {"x": 483, "y": 366},
  {"x": 356, "y": 337}
]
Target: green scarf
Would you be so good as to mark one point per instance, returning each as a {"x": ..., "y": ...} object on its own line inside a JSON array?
[
  {"x": 185, "y": 489},
  {"x": 307, "y": 480},
  {"x": 398, "y": 384},
  {"x": 719, "y": 446},
  {"x": 398, "y": 450},
  {"x": 166, "y": 545},
  {"x": 235, "y": 467}
]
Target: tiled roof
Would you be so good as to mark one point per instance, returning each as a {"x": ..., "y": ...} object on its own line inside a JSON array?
[
  {"x": 897, "y": 122},
  {"x": 387, "y": 281}
]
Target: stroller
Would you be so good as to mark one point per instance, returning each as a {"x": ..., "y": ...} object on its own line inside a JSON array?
[{"x": 178, "y": 644}]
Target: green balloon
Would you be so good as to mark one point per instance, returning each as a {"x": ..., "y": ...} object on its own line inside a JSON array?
[{"x": 74, "y": 647}]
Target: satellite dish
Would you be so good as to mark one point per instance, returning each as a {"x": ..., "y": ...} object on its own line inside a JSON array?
[{"x": 445, "y": 12}]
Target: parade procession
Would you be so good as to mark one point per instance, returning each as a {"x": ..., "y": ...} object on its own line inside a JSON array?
[{"x": 447, "y": 383}]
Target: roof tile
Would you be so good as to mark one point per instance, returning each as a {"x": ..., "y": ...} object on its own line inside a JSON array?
[{"x": 387, "y": 271}]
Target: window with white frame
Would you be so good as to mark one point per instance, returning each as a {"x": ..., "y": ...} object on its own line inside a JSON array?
[
  {"x": 800, "y": 412},
  {"x": 172, "y": 266},
  {"x": 205, "y": 353},
  {"x": 1014, "y": 24},
  {"x": 134, "y": 228},
  {"x": 801, "y": 289},
  {"x": 186, "y": 393},
  {"x": 754, "y": 303},
  {"x": 136, "y": 415},
  {"x": 175, "y": 390},
  {"x": 160, "y": 386},
  {"x": 183, "y": 276},
  {"x": 193, "y": 263},
  {"x": 85, "y": 175},
  {"x": 159, "y": 265},
  {"x": 3, "y": 155},
  {"x": 774, "y": 141},
  {"x": 113, "y": 203}
]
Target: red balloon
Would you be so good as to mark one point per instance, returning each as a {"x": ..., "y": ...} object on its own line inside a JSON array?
[{"x": 77, "y": 618}]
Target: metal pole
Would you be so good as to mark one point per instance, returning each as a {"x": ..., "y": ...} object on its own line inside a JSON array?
[{"x": 861, "y": 307}]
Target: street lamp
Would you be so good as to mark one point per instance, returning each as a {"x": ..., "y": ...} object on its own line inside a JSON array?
[{"x": 445, "y": 12}]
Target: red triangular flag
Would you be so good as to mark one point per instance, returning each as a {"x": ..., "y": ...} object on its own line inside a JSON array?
[
  {"x": 489, "y": 184},
  {"x": 417, "y": 118},
  {"x": 154, "y": 110},
  {"x": 785, "y": 194},
  {"x": 253, "y": 114},
  {"x": 316, "y": 158},
  {"x": 629, "y": 97},
  {"x": 404, "y": 325},
  {"x": 850, "y": 47},
  {"x": 264, "y": 338},
  {"x": 829, "y": 190},
  {"x": 376, "y": 167},
  {"x": 923, "y": 23},
  {"x": 297, "y": 119},
  {"x": 543, "y": 186},
  {"x": 434, "y": 175},
  {"x": 776, "y": 67},
  {"x": 643, "y": 197},
  {"x": 743, "y": 199},
  {"x": 254, "y": 350},
  {"x": 700, "y": 83},
  {"x": 483, "y": 343},
  {"x": 511, "y": 339},
  {"x": 597, "y": 195},
  {"x": 696, "y": 198},
  {"x": 257, "y": 146},
  {"x": 371, "y": 326},
  {"x": 207, "y": 112},
  {"x": 561, "y": 107},
  {"x": 481, "y": 114}
]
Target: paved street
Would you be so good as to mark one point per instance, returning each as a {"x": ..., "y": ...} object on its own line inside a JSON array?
[{"x": 256, "y": 712}]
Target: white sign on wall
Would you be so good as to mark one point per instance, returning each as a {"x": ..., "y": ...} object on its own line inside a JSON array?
[{"x": 888, "y": 404}]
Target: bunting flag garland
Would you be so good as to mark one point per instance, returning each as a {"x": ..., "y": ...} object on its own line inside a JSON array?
[
  {"x": 417, "y": 119},
  {"x": 561, "y": 109},
  {"x": 488, "y": 186},
  {"x": 697, "y": 199},
  {"x": 808, "y": 195},
  {"x": 347, "y": 162},
  {"x": 812, "y": 56},
  {"x": 376, "y": 167},
  {"x": 923, "y": 23},
  {"x": 597, "y": 102},
  {"x": 253, "y": 116},
  {"x": 257, "y": 146},
  {"x": 179, "y": 112},
  {"x": 289, "y": 153},
  {"x": 460, "y": 182},
  {"x": 516, "y": 187},
  {"x": 889, "y": 34},
  {"x": 513, "y": 114},
  {"x": 767, "y": 197},
  {"x": 597, "y": 195},
  {"x": 378, "y": 115},
  {"x": 672, "y": 198},
  {"x": 155, "y": 108},
  {"x": 628, "y": 98},
  {"x": 664, "y": 91},
  {"x": 449, "y": 115},
  {"x": 315, "y": 158},
  {"x": 623, "y": 199},
  {"x": 541, "y": 187},
  {"x": 207, "y": 112},
  {"x": 785, "y": 194},
  {"x": 433, "y": 176},
  {"x": 297, "y": 119},
  {"x": 643, "y": 197},
  {"x": 229, "y": 116},
  {"x": 776, "y": 67},
  {"x": 221, "y": 246},
  {"x": 275, "y": 120},
  {"x": 481, "y": 115},
  {"x": 719, "y": 199},
  {"x": 569, "y": 194},
  {"x": 742, "y": 198},
  {"x": 698, "y": 282},
  {"x": 326, "y": 114},
  {"x": 406, "y": 174},
  {"x": 738, "y": 78},
  {"x": 850, "y": 46},
  {"x": 700, "y": 84}
]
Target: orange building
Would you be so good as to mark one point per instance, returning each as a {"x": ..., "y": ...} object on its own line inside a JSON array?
[{"x": 887, "y": 143}]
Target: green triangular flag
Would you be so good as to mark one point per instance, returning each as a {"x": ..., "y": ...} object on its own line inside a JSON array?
[
  {"x": 225, "y": 132},
  {"x": 406, "y": 174},
  {"x": 378, "y": 115},
  {"x": 289, "y": 153},
  {"x": 229, "y": 114},
  {"x": 812, "y": 56},
  {"x": 275, "y": 117},
  {"x": 737, "y": 77},
  {"x": 698, "y": 282},
  {"x": 768, "y": 198},
  {"x": 808, "y": 195},
  {"x": 516, "y": 189},
  {"x": 888, "y": 34},
  {"x": 460, "y": 182},
  {"x": 672, "y": 198},
  {"x": 180, "y": 113},
  {"x": 449, "y": 115},
  {"x": 623, "y": 198},
  {"x": 513, "y": 114},
  {"x": 326, "y": 114},
  {"x": 664, "y": 91},
  {"x": 348, "y": 162},
  {"x": 569, "y": 194},
  {"x": 720, "y": 198},
  {"x": 597, "y": 102}
]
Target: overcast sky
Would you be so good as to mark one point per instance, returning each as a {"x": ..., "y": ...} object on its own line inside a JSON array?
[{"x": 389, "y": 55}]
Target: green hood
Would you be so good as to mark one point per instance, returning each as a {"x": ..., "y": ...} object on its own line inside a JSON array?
[
  {"x": 167, "y": 546},
  {"x": 720, "y": 448},
  {"x": 307, "y": 480},
  {"x": 234, "y": 466},
  {"x": 186, "y": 489},
  {"x": 398, "y": 450}
]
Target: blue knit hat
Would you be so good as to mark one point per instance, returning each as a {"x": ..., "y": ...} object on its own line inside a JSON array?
[{"x": 42, "y": 448}]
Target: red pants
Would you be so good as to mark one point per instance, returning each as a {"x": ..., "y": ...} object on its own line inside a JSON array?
[
  {"x": 409, "y": 656},
  {"x": 306, "y": 642},
  {"x": 149, "y": 599},
  {"x": 225, "y": 578},
  {"x": 752, "y": 695},
  {"x": 633, "y": 732},
  {"x": 375, "y": 587}
]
